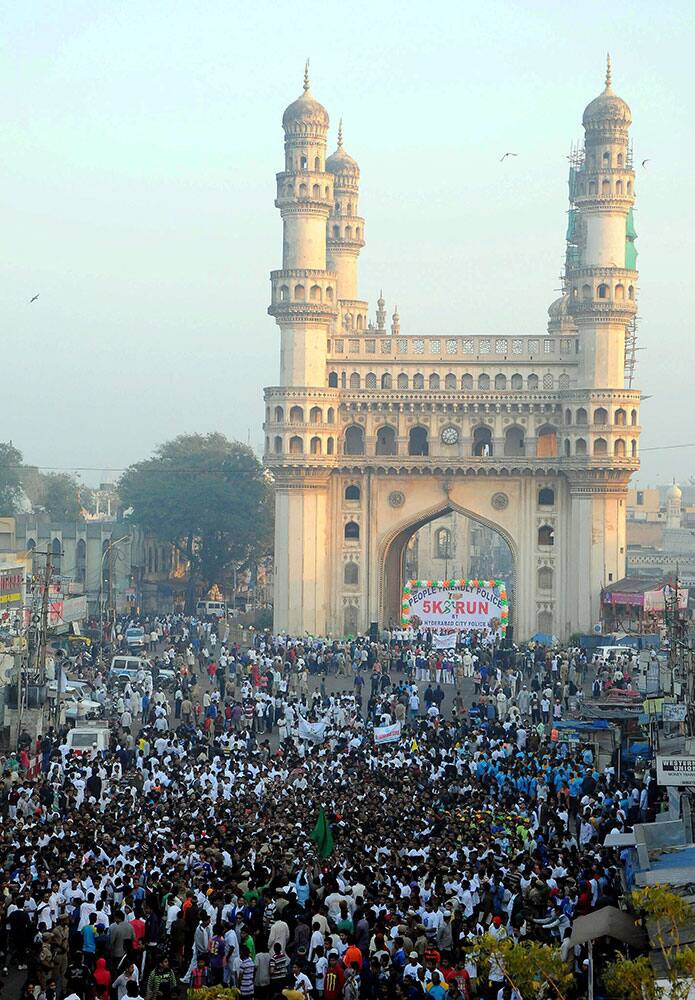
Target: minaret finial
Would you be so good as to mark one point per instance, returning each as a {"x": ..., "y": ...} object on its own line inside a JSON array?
[
  {"x": 306, "y": 76},
  {"x": 340, "y": 134},
  {"x": 609, "y": 78}
]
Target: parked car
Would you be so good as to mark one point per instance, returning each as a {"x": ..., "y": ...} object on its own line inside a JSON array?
[
  {"x": 135, "y": 637},
  {"x": 75, "y": 708}
]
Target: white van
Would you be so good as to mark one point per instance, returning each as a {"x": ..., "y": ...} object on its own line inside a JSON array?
[
  {"x": 603, "y": 653},
  {"x": 88, "y": 740},
  {"x": 211, "y": 609},
  {"x": 128, "y": 666}
]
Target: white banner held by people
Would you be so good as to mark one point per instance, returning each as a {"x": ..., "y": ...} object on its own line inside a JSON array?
[
  {"x": 387, "y": 734},
  {"x": 314, "y": 731},
  {"x": 444, "y": 641}
]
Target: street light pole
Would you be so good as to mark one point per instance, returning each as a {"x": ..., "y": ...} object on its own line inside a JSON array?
[{"x": 105, "y": 553}]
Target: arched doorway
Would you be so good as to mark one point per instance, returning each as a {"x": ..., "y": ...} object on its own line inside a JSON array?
[{"x": 444, "y": 543}]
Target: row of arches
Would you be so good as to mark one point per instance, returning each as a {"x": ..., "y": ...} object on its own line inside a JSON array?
[
  {"x": 546, "y": 496},
  {"x": 601, "y": 417},
  {"x": 316, "y": 293},
  {"x": 296, "y": 415},
  {"x": 545, "y": 537},
  {"x": 435, "y": 382},
  {"x": 619, "y": 188},
  {"x": 347, "y": 233},
  {"x": 603, "y": 291}
]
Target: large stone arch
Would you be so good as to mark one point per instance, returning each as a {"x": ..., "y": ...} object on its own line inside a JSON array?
[{"x": 391, "y": 552}]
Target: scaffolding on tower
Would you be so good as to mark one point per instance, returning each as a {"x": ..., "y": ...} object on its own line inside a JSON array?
[{"x": 630, "y": 351}]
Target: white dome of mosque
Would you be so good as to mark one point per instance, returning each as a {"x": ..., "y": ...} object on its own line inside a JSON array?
[
  {"x": 341, "y": 162},
  {"x": 305, "y": 110},
  {"x": 607, "y": 107},
  {"x": 674, "y": 491}
]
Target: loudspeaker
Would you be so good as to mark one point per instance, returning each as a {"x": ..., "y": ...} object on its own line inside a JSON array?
[
  {"x": 508, "y": 640},
  {"x": 374, "y": 631}
]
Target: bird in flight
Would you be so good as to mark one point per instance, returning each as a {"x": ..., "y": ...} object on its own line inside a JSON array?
[
  {"x": 34, "y": 298},
  {"x": 645, "y": 162},
  {"x": 506, "y": 155}
]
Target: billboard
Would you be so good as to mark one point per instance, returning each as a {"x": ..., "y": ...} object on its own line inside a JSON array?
[
  {"x": 675, "y": 770},
  {"x": 455, "y": 605},
  {"x": 11, "y": 588}
]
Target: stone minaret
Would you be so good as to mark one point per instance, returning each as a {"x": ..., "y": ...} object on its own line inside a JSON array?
[
  {"x": 345, "y": 235},
  {"x": 304, "y": 292},
  {"x": 602, "y": 277}
]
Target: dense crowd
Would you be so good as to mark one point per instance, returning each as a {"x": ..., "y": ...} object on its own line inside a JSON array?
[{"x": 183, "y": 855}]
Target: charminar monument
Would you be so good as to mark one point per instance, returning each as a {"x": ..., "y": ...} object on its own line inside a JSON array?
[{"x": 373, "y": 430}]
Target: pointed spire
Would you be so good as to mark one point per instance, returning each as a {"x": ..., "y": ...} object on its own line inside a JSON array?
[
  {"x": 306, "y": 76},
  {"x": 609, "y": 76},
  {"x": 340, "y": 134}
]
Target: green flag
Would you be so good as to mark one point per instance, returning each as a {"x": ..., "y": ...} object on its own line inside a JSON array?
[{"x": 322, "y": 835}]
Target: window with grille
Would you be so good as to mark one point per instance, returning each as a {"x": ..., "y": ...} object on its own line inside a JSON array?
[
  {"x": 340, "y": 346},
  {"x": 354, "y": 346},
  {"x": 468, "y": 345},
  {"x": 385, "y": 346},
  {"x": 548, "y": 346},
  {"x": 501, "y": 346},
  {"x": 548, "y": 381},
  {"x": 484, "y": 346},
  {"x": 436, "y": 346},
  {"x": 370, "y": 380},
  {"x": 517, "y": 346},
  {"x": 534, "y": 346},
  {"x": 370, "y": 346},
  {"x": 402, "y": 345},
  {"x": 419, "y": 346},
  {"x": 451, "y": 346}
]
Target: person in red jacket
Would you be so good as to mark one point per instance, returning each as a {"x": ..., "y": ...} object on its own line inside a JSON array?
[{"x": 335, "y": 979}]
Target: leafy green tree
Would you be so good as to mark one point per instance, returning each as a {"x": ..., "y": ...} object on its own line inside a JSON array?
[
  {"x": 635, "y": 979},
  {"x": 10, "y": 480},
  {"x": 535, "y": 970},
  {"x": 60, "y": 496},
  {"x": 206, "y": 495}
]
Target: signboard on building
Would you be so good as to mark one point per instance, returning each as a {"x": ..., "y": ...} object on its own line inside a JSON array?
[
  {"x": 673, "y": 712},
  {"x": 655, "y": 600},
  {"x": 11, "y": 588},
  {"x": 675, "y": 770},
  {"x": 459, "y": 605},
  {"x": 74, "y": 609}
]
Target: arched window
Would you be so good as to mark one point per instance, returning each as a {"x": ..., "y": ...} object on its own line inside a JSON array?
[
  {"x": 303, "y": 190},
  {"x": 315, "y": 415},
  {"x": 303, "y": 164},
  {"x": 568, "y": 448},
  {"x": 317, "y": 164},
  {"x": 483, "y": 381},
  {"x": 418, "y": 443},
  {"x": 620, "y": 159},
  {"x": 546, "y": 442},
  {"x": 358, "y": 232},
  {"x": 600, "y": 416},
  {"x": 546, "y": 535},
  {"x": 605, "y": 188},
  {"x": 586, "y": 291},
  {"x": 606, "y": 159},
  {"x": 548, "y": 381},
  {"x": 354, "y": 380},
  {"x": 329, "y": 294},
  {"x": 284, "y": 293},
  {"x": 629, "y": 187},
  {"x": 333, "y": 380},
  {"x": 296, "y": 445},
  {"x": 279, "y": 414},
  {"x": 359, "y": 323},
  {"x": 514, "y": 443},
  {"x": 386, "y": 381},
  {"x": 630, "y": 292},
  {"x": 315, "y": 293},
  {"x": 402, "y": 381},
  {"x": 351, "y": 574},
  {"x": 619, "y": 448},
  {"x": 277, "y": 445},
  {"x": 435, "y": 381},
  {"x": 500, "y": 382},
  {"x": 56, "y": 556},
  {"x": 450, "y": 381},
  {"x": 316, "y": 192},
  {"x": 633, "y": 417},
  {"x": 418, "y": 381},
  {"x": 299, "y": 293},
  {"x": 517, "y": 382},
  {"x": 348, "y": 232},
  {"x": 482, "y": 441},
  {"x": 316, "y": 446},
  {"x": 352, "y": 492},
  {"x": 546, "y": 497},
  {"x": 620, "y": 417},
  {"x": 532, "y": 382},
  {"x": 352, "y": 531},
  {"x": 370, "y": 380},
  {"x": 545, "y": 622},
  {"x": 354, "y": 440},
  {"x": 81, "y": 561},
  {"x": 633, "y": 448},
  {"x": 568, "y": 416},
  {"x": 330, "y": 446},
  {"x": 386, "y": 441},
  {"x": 592, "y": 187},
  {"x": 582, "y": 418},
  {"x": 563, "y": 381},
  {"x": 296, "y": 415},
  {"x": 600, "y": 446},
  {"x": 580, "y": 447},
  {"x": 603, "y": 291},
  {"x": 619, "y": 189},
  {"x": 442, "y": 543},
  {"x": 330, "y": 415},
  {"x": 467, "y": 383},
  {"x": 545, "y": 578}
]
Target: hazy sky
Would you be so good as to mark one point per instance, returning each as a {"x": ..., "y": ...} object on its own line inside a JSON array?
[{"x": 139, "y": 147}]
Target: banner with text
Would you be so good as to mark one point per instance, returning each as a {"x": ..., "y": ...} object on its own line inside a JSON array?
[
  {"x": 387, "y": 734},
  {"x": 460, "y": 605}
]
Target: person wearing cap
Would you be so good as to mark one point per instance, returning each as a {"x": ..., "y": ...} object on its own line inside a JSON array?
[{"x": 412, "y": 965}]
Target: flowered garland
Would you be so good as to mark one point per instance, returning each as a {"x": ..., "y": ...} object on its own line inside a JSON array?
[{"x": 454, "y": 584}]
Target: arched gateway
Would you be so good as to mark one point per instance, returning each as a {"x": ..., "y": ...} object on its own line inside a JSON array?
[{"x": 372, "y": 433}]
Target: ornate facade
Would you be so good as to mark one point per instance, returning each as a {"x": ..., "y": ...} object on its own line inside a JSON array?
[{"x": 373, "y": 432}]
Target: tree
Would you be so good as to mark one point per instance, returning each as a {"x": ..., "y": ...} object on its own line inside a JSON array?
[
  {"x": 666, "y": 913},
  {"x": 60, "y": 496},
  {"x": 10, "y": 483},
  {"x": 206, "y": 495},
  {"x": 531, "y": 968}
]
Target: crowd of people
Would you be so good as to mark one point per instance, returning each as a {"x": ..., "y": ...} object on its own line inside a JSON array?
[{"x": 245, "y": 828}]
